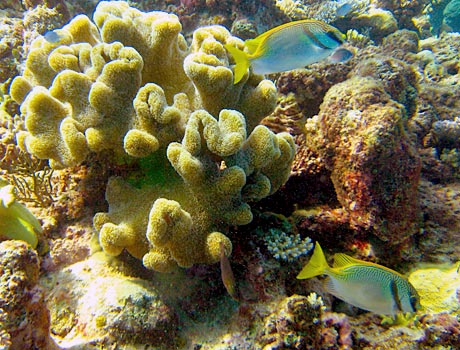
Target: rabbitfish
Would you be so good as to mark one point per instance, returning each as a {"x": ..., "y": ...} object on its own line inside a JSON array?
[
  {"x": 363, "y": 284},
  {"x": 289, "y": 46}
]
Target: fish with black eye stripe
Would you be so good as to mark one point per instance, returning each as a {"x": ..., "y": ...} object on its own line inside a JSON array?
[
  {"x": 363, "y": 284},
  {"x": 289, "y": 46}
]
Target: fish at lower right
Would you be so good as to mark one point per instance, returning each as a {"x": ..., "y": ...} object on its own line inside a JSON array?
[{"x": 363, "y": 284}]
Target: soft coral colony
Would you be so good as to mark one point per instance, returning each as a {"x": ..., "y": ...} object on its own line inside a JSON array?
[{"x": 128, "y": 83}]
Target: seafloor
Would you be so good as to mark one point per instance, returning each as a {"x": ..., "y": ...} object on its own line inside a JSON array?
[{"x": 148, "y": 202}]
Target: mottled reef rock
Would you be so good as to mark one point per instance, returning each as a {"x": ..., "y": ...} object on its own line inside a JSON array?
[
  {"x": 360, "y": 134},
  {"x": 24, "y": 317}
]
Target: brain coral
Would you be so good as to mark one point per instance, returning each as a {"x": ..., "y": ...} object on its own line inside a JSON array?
[{"x": 130, "y": 84}]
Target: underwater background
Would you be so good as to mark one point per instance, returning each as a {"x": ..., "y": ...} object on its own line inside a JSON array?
[{"x": 149, "y": 202}]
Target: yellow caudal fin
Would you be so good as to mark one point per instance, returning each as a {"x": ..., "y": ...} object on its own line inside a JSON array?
[
  {"x": 316, "y": 266},
  {"x": 241, "y": 62}
]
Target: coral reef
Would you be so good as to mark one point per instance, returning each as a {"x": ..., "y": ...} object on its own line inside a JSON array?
[
  {"x": 440, "y": 209},
  {"x": 444, "y": 134},
  {"x": 10, "y": 34},
  {"x": 403, "y": 11},
  {"x": 438, "y": 331},
  {"x": 327, "y": 11},
  {"x": 302, "y": 323},
  {"x": 397, "y": 64},
  {"x": 379, "y": 22},
  {"x": 119, "y": 94},
  {"x": 17, "y": 33},
  {"x": 242, "y": 16},
  {"x": 140, "y": 107},
  {"x": 309, "y": 86},
  {"x": 130, "y": 84},
  {"x": 30, "y": 176},
  {"x": 24, "y": 317}
]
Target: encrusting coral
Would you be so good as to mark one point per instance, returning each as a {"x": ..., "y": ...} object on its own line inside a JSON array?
[{"x": 128, "y": 83}]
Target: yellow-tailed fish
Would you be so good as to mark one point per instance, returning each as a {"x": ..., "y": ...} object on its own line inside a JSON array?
[
  {"x": 227, "y": 274},
  {"x": 289, "y": 46},
  {"x": 366, "y": 285}
]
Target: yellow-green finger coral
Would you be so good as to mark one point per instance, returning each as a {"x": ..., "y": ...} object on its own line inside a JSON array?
[
  {"x": 128, "y": 83},
  {"x": 184, "y": 224}
]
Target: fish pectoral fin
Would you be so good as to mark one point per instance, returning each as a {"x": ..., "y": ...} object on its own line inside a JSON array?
[
  {"x": 241, "y": 62},
  {"x": 340, "y": 55},
  {"x": 330, "y": 288}
]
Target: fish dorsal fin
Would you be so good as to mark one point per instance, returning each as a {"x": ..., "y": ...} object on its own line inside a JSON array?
[
  {"x": 341, "y": 260},
  {"x": 258, "y": 43}
]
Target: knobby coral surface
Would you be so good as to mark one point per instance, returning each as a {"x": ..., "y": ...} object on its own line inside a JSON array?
[{"x": 128, "y": 83}]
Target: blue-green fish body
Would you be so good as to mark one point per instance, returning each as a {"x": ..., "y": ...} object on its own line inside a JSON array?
[
  {"x": 363, "y": 284},
  {"x": 289, "y": 46}
]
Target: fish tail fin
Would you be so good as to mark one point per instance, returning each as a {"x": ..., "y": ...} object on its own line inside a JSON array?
[
  {"x": 241, "y": 62},
  {"x": 316, "y": 266}
]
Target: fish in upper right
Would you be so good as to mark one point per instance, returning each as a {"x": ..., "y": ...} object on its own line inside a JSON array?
[{"x": 289, "y": 46}]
